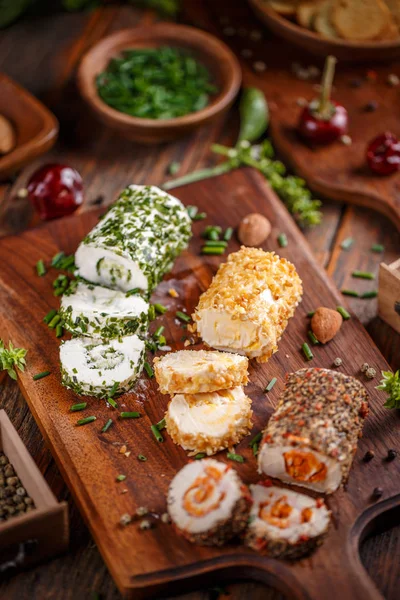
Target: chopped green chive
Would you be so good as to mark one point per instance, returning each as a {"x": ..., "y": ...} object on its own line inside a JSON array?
[
  {"x": 130, "y": 415},
  {"x": 228, "y": 234},
  {"x": 282, "y": 240},
  {"x": 156, "y": 433},
  {"x": 363, "y": 275},
  {"x": 107, "y": 426},
  {"x": 54, "y": 321},
  {"x": 342, "y": 311},
  {"x": 199, "y": 455},
  {"x": 307, "y": 351},
  {"x": 78, "y": 407},
  {"x": 142, "y": 457},
  {"x": 255, "y": 449},
  {"x": 159, "y": 331},
  {"x": 112, "y": 402},
  {"x": 57, "y": 258},
  {"x": 200, "y": 216},
  {"x": 215, "y": 244},
  {"x": 41, "y": 375},
  {"x": 86, "y": 420},
  {"x": 347, "y": 243},
  {"x": 213, "y": 251},
  {"x": 114, "y": 389},
  {"x": 120, "y": 477},
  {"x": 370, "y": 294},
  {"x": 148, "y": 369},
  {"x": 152, "y": 312},
  {"x": 160, "y": 308},
  {"x": 235, "y": 457},
  {"x": 271, "y": 385},
  {"x": 352, "y": 293},
  {"x": 311, "y": 313},
  {"x": 213, "y": 235},
  {"x": 173, "y": 168},
  {"x": 67, "y": 263},
  {"x": 59, "y": 331},
  {"x": 256, "y": 439},
  {"x": 183, "y": 316},
  {"x": 52, "y": 313},
  {"x": 192, "y": 211},
  {"x": 132, "y": 292},
  {"x": 40, "y": 268},
  {"x": 161, "y": 425},
  {"x": 377, "y": 248},
  {"x": 313, "y": 339}
]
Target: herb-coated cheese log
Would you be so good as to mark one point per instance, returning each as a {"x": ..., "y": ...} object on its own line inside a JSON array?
[
  {"x": 136, "y": 242},
  {"x": 248, "y": 304},
  {"x": 92, "y": 310},
  {"x": 284, "y": 523},
  {"x": 93, "y": 367},
  {"x": 209, "y": 422},
  {"x": 197, "y": 372},
  {"x": 208, "y": 503},
  {"x": 311, "y": 438}
]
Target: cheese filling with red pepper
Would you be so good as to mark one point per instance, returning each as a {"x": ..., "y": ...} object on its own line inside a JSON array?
[{"x": 281, "y": 515}]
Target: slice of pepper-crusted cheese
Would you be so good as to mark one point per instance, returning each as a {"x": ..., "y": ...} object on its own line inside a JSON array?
[
  {"x": 248, "y": 304},
  {"x": 312, "y": 436},
  {"x": 209, "y": 422},
  {"x": 196, "y": 372},
  {"x": 92, "y": 310},
  {"x": 93, "y": 367},
  {"x": 136, "y": 242}
]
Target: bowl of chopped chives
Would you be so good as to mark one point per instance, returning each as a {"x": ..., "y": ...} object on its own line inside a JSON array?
[{"x": 157, "y": 83}]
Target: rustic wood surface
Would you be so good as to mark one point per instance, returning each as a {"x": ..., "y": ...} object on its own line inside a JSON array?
[
  {"x": 56, "y": 44},
  {"x": 159, "y": 560}
]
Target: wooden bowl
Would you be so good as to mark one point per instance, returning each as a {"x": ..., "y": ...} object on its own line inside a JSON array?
[
  {"x": 344, "y": 50},
  {"x": 222, "y": 64},
  {"x": 35, "y": 126}
]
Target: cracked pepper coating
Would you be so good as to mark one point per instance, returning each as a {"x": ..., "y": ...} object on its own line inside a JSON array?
[{"x": 312, "y": 436}]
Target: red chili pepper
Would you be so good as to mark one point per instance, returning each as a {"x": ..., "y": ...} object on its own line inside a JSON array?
[
  {"x": 324, "y": 121},
  {"x": 55, "y": 190},
  {"x": 383, "y": 154}
]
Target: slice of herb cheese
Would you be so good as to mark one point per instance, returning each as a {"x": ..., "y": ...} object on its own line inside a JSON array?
[
  {"x": 93, "y": 367},
  {"x": 136, "y": 242},
  {"x": 92, "y": 310}
]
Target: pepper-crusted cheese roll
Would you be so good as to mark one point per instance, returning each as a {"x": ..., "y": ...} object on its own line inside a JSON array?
[
  {"x": 248, "y": 304},
  {"x": 91, "y": 310},
  {"x": 94, "y": 367},
  {"x": 208, "y": 503},
  {"x": 209, "y": 422},
  {"x": 136, "y": 242},
  {"x": 195, "y": 372},
  {"x": 285, "y": 524},
  {"x": 311, "y": 438}
]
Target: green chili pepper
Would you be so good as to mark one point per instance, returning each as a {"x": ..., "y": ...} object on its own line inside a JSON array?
[{"x": 254, "y": 114}]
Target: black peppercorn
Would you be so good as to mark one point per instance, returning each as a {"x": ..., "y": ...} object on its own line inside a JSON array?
[
  {"x": 369, "y": 455},
  {"x": 371, "y": 106},
  {"x": 391, "y": 455},
  {"x": 377, "y": 493}
]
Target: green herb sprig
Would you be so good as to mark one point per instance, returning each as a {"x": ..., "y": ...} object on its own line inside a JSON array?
[
  {"x": 390, "y": 383},
  {"x": 12, "y": 358}
]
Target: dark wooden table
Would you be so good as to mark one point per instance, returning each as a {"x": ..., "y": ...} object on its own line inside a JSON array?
[{"x": 42, "y": 53}]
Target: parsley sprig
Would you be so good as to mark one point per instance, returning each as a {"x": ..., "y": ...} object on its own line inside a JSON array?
[
  {"x": 391, "y": 385},
  {"x": 12, "y": 358}
]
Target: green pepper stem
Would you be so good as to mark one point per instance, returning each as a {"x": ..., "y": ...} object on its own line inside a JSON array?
[
  {"x": 198, "y": 175},
  {"x": 327, "y": 81}
]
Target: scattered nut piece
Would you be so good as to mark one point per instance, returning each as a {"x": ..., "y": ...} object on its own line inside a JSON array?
[
  {"x": 22, "y": 193},
  {"x": 393, "y": 79},
  {"x": 127, "y": 454},
  {"x": 123, "y": 449},
  {"x": 8, "y": 139},
  {"x": 145, "y": 524},
  {"x": 125, "y": 519},
  {"x": 337, "y": 362},
  {"x": 141, "y": 511},
  {"x": 173, "y": 293},
  {"x": 346, "y": 140},
  {"x": 165, "y": 518},
  {"x": 259, "y": 66},
  {"x": 370, "y": 373},
  {"x": 369, "y": 455},
  {"x": 325, "y": 324},
  {"x": 254, "y": 229},
  {"x": 364, "y": 367}
]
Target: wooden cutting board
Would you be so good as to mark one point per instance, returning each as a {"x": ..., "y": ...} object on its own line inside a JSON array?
[{"x": 150, "y": 563}]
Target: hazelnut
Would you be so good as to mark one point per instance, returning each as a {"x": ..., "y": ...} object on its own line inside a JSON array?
[
  {"x": 254, "y": 229},
  {"x": 325, "y": 324}
]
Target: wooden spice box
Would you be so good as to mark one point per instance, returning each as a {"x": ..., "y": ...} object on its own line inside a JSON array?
[
  {"x": 389, "y": 294},
  {"x": 40, "y": 533}
]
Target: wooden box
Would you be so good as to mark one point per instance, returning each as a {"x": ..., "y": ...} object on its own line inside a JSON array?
[
  {"x": 389, "y": 294},
  {"x": 40, "y": 533}
]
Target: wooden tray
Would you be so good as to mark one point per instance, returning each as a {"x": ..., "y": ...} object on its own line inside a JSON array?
[{"x": 151, "y": 563}]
